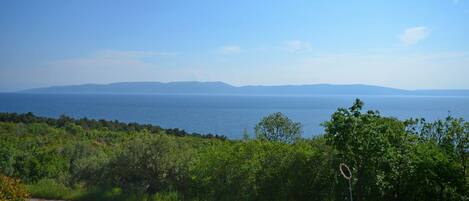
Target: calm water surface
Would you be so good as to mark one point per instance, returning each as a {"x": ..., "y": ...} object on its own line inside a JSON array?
[{"x": 226, "y": 115}]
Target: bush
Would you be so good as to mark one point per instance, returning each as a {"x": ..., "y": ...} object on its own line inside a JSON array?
[
  {"x": 12, "y": 189},
  {"x": 150, "y": 164},
  {"x": 51, "y": 189},
  {"x": 169, "y": 196},
  {"x": 263, "y": 170},
  {"x": 116, "y": 194}
]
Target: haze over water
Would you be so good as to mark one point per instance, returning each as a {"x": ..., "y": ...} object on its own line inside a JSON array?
[{"x": 226, "y": 115}]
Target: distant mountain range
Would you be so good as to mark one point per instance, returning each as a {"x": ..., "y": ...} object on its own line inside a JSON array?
[{"x": 220, "y": 88}]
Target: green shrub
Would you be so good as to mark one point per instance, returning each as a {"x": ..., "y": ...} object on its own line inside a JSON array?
[
  {"x": 263, "y": 170},
  {"x": 51, "y": 189},
  {"x": 116, "y": 194}
]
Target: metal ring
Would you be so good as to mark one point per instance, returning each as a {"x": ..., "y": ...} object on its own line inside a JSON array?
[{"x": 347, "y": 169}]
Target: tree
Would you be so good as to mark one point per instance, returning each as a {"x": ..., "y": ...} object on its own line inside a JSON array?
[
  {"x": 278, "y": 127},
  {"x": 359, "y": 139},
  {"x": 393, "y": 160},
  {"x": 150, "y": 164}
]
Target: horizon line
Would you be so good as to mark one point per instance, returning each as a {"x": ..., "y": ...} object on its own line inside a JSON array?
[{"x": 238, "y": 86}]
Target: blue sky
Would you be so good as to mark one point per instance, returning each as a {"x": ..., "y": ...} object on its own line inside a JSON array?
[{"x": 404, "y": 44}]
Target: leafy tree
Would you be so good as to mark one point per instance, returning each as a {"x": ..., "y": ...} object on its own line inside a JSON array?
[
  {"x": 150, "y": 163},
  {"x": 358, "y": 137},
  {"x": 392, "y": 160},
  {"x": 278, "y": 127}
]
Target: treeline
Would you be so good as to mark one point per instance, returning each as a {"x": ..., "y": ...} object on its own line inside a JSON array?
[
  {"x": 88, "y": 124},
  {"x": 390, "y": 160}
]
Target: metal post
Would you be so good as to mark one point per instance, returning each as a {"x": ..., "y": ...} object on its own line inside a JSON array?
[
  {"x": 347, "y": 174},
  {"x": 350, "y": 189}
]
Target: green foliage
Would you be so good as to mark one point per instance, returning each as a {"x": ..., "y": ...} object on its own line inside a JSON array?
[
  {"x": 263, "y": 170},
  {"x": 394, "y": 160},
  {"x": 7, "y": 159},
  {"x": 75, "y": 126},
  {"x": 51, "y": 189},
  {"x": 150, "y": 163},
  {"x": 107, "y": 160},
  {"x": 116, "y": 194},
  {"x": 278, "y": 127}
]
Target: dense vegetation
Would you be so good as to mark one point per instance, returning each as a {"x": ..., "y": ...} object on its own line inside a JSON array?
[
  {"x": 67, "y": 122},
  {"x": 390, "y": 160}
]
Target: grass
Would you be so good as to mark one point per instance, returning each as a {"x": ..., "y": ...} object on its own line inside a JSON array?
[
  {"x": 50, "y": 189},
  {"x": 116, "y": 194}
]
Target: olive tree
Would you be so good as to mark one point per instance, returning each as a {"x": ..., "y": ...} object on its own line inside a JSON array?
[{"x": 278, "y": 127}]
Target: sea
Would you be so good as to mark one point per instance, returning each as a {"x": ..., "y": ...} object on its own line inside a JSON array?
[{"x": 226, "y": 115}]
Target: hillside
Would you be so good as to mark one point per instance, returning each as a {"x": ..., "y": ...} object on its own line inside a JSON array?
[
  {"x": 220, "y": 88},
  {"x": 102, "y": 160}
]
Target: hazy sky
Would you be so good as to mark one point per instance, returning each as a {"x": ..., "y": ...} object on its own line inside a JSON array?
[{"x": 397, "y": 43}]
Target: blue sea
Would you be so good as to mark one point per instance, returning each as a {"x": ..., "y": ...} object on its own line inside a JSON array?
[{"x": 225, "y": 115}]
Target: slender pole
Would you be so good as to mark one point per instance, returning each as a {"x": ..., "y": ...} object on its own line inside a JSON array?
[
  {"x": 345, "y": 171},
  {"x": 350, "y": 189}
]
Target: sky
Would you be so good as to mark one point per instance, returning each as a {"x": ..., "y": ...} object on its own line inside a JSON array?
[{"x": 420, "y": 44}]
